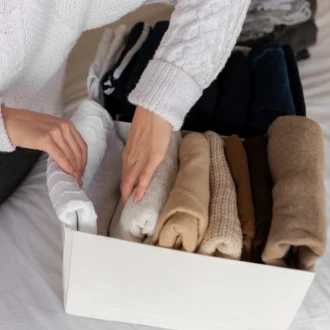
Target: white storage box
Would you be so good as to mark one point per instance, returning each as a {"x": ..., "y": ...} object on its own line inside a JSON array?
[{"x": 110, "y": 279}]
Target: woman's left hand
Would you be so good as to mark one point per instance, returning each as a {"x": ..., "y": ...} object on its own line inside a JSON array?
[{"x": 146, "y": 148}]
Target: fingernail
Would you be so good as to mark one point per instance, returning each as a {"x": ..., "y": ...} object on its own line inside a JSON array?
[
  {"x": 137, "y": 197},
  {"x": 80, "y": 183}
]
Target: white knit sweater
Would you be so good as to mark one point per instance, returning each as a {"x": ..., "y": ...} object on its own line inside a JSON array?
[{"x": 36, "y": 37}]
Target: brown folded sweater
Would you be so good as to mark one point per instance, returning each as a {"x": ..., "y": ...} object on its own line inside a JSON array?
[
  {"x": 261, "y": 185},
  {"x": 296, "y": 160},
  {"x": 185, "y": 218},
  {"x": 238, "y": 164},
  {"x": 223, "y": 237}
]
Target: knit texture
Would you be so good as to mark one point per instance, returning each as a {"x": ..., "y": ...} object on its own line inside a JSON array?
[
  {"x": 184, "y": 221},
  {"x": 36, "y": 38},
  {"x": 296, "y": 160},
  {"x": 94, "y": 204},
  {"x": 138, "y": 219},
  {"x": 223, "y": 237}
]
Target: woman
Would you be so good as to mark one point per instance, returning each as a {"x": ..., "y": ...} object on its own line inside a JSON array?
[{"x": 36, "y": 38}]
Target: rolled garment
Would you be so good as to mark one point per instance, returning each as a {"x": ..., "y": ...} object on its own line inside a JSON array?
[
  {"x": 239, "y": 168},
  {"x": 138, "y": 219},
  {"x": 184, "y": 220},
  {"x": 114, "y": 81},
  {"x": 115, "y": 226},
  {"x": 295, "y": 81},
  {"x": 272, "y": 95},
  {"x": 144, "y": 55},
  {"x": 234, "y": 101},
  {"x": 261, "y": 186},
  {"x": 109, "y": 49},
  {"x": 91, "y": 207},
  {"x": 223, "y": 237},
  {"x": 296, "y": 160},
  {"x": 14, "y": 168}
]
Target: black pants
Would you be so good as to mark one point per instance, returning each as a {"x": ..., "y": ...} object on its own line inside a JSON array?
[{"x": 14, "y": 167}]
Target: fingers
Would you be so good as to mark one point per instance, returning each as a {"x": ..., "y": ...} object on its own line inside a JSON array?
[
  {"x": 66, "y": 146},
  {"x": 58, "y": 138},
  {"x": 57, "y": 154},
  {"x": 83, "y": 148},
  {"x": 146, "y": 176},
  {"x": 129, "y": 179}
]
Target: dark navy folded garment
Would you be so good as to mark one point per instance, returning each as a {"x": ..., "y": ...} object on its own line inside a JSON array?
[
  {"x": 271, "y": 91},
  {"x": 234, "y": 101},
  {"x": 295, "y": 81}
]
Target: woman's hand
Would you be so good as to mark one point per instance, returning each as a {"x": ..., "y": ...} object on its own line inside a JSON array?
[
  {"x": 146, "y": 148},
  {"x": 58, "y": 137}
]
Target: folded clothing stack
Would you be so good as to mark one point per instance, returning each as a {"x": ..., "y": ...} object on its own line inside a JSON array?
[{"x": 247, "y": 96}]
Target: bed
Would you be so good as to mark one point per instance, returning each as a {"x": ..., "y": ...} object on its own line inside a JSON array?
[{"x": 30, "y": 235}]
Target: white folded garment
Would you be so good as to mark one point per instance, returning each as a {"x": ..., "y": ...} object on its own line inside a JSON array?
[
  {"x": 138, "y": 219},
  {"x": 90, "y": 208},
  {"x": 108, "y": 51}
]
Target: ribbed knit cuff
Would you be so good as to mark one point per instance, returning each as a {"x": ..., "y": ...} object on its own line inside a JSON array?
[
  {"x": 167, "y": 91},
  {"x": 5, "y": 144}
]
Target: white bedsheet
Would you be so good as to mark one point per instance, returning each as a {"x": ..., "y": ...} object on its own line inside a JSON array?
[{"x": 31, "y": 245}]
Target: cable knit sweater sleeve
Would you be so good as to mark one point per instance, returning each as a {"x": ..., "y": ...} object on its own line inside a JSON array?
[{"x": 194, "y": 50}]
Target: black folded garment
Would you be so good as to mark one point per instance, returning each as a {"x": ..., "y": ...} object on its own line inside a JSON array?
[
  {"x": 114, "y": 81},
  {"x": 199, "y": 117},
  {"x": 295, "y": 81},
  {"x": 145, "y": 54},
  {"x": 14, "y": 168},
  {"x": 271, "y": 91},
  {"x": 234, "y": 97}
]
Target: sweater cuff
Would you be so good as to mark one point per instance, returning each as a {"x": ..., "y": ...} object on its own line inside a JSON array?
[
  {"x": 5, "y": 144},
  {"x": 167, "y": 91}
]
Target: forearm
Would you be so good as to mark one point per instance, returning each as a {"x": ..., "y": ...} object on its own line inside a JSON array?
[{"x": 194, "y": 50}]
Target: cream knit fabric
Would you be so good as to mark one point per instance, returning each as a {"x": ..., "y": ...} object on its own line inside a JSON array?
[
  {"x": 184, "y": 220},
  {"x": 223, "y": 237},
  {"x": 95, "y": 204},
  {"x": 139, "y": 219},
  {"x": 36, "y": 38}
]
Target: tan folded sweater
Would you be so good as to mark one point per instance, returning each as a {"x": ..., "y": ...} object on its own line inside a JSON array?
[
  {"x": 184, "y": 220},
  {"x": 238, "y": 164},
  {"x": 224, "y": 235},
  {"x": 296, "y": 160}
]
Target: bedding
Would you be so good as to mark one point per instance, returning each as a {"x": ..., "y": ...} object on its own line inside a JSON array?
[{"x": 30, "y": 236}]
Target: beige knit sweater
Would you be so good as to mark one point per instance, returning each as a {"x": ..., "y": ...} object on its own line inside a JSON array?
[{"x": 223, "y": 237}]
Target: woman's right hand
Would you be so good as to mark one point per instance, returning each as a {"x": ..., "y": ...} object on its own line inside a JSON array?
[{"x": 58, "y": 137}]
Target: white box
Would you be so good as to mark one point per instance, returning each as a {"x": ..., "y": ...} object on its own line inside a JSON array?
[{"x": 110, "y": 279}]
